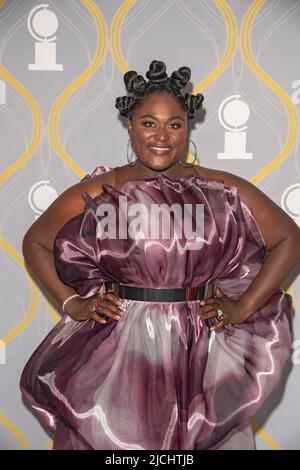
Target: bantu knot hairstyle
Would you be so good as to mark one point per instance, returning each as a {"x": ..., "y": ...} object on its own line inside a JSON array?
[{"x": 158, "y": 81}]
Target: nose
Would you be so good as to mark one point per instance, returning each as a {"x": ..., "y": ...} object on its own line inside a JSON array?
[{"x": 162, "y": 134}]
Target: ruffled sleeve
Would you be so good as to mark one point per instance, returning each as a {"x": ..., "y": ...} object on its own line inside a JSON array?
[{"x": 76, "y": 250}]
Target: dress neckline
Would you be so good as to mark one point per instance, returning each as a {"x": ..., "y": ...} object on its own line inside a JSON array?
[
  {"x": 163, "y": 177},
  {"x": 219, "y": 181}
]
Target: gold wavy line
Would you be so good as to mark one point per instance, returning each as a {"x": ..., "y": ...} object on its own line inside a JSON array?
[
  {"x": 293, "y": 115},
  {"x": 60, "y": 101},
  {"x": 34, "y": 295},
  {"x": 289, "y": 289},
  {"x": 37, "y": 124},
  {"x": 55, "y": 317},
  {"x": 230, "y": 47},
  {"x": 228, "y": 54},
  {"x": 2, "y": 3},
  {"x": 293, "y": 118},
  {"x": 15, "y": 431},
  {"x": 115, "y": 34},
  {"x": 56, "y": 109},
  {"x": 48, "y": 445},
  {"x": 37, "y": 127},
  {"x": 265, "y": 437}
]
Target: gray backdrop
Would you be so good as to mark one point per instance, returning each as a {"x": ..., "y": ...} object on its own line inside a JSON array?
[{"x": 58, "y": 122}]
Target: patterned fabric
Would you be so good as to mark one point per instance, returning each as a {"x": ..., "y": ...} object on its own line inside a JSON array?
[{"x": 157, "y": 378}]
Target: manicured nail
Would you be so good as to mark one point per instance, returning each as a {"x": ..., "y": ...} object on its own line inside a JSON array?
[{"x": 202, "y": 302}]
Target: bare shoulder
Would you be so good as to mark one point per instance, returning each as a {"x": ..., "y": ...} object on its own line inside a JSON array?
[
  {"x": 72, "y": 197},
  {"x": 93, "y": 186},
  {"x": 246, "y": 189},
  {"x": 257, "y": 200},
  {"x": 274, "y": 223},
  {"x": 229, "y": 178},
  {"x": 203, "y": 171}
]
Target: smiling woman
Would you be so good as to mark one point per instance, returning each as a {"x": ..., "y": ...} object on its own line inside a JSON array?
[
  {"x": 160, "y": 346},
  {"x": 157, "y": 117},
  {"x": 162, "y": 133}
]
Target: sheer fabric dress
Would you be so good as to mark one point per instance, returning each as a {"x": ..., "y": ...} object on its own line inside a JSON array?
[{"x": 158, "y": 378}]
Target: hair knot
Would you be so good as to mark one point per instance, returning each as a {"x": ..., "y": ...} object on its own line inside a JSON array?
[
  {"x": 156, "y": 74},
  {"x": 193, "y": 102},
  {"x": 134, "y": 83},
  {"x": 125, "y": 104},
  {"x": 158, "y": 80},
  {"x": 181, "y": 77}
]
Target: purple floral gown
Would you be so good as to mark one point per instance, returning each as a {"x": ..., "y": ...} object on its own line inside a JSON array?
[{"x": 157, "y": 378}]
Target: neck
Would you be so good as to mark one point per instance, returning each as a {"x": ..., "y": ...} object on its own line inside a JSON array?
[{"x": 148, "y": 172}]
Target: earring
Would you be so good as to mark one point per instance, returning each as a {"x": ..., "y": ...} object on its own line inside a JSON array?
[
  {"x": 129, "y": 162},
  {"x": 195, "y": 150}
]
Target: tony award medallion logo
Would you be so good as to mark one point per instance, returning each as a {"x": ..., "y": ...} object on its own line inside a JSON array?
[
  {"x": 233, "y": 115},
  {"x": 42, "y": 25}
]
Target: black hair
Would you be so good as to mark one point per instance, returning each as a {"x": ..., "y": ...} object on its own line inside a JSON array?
[{"x": 158, "y": 81}]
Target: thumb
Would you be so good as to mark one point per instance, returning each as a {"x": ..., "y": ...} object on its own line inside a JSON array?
[{"x": 219, "y": 292}]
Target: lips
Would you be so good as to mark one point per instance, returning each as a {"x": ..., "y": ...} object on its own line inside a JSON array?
[{"x": 160, "y": 150}]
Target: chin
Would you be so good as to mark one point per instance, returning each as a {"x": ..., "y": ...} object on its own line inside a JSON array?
[{"x": 160, "y": 165}]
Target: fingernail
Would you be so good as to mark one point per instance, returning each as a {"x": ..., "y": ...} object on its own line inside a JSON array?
[{"x": 202, "y": 302}]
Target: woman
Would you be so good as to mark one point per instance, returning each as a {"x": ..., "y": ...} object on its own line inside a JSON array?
[{"x": 188, "y": 340}]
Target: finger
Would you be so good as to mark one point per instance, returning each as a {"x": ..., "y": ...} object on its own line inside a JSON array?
[
  {"x": 209, "y": 308},
  {"x": 211, "y": 314},
  {"x": 207, "y": 301},
  {"x": 220, "y": 293},
  {"x": 108, "y": 312},
  {"x": 109, "y": 304},
  {"x": 218, "y": 326},
  {"x": 96, "y": 317},
  {"x": 113, "y": 298}
]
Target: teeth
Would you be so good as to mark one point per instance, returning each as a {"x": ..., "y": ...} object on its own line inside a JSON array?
[{"x": 161, "y": 148}]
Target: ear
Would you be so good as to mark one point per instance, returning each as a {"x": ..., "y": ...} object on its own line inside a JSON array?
[{"x": 129, "y": 127}]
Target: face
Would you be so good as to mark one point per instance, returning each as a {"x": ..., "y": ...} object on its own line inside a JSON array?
[{"x": 158, "y": 122}]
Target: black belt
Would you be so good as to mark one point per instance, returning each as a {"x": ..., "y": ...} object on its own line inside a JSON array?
[{"x": 152, "y": 294}]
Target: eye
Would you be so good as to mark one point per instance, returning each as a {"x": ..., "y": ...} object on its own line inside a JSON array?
[
  {"x": 176, "y": 124},
  {"x": 147, "y": 122},
  {"x": 173, "y": 124}
]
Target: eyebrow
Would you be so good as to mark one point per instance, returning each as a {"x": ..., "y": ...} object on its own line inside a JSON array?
[{"x": 153, "y": 117}]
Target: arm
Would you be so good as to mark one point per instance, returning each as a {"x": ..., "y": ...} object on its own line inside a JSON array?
[
  {"x": 38, "y": 241},
  {"x": 282, "y": 237}
]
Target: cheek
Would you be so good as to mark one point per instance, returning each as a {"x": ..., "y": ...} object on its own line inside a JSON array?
[
  {"x": 142, "y": 133},
  {"x": 181, "y": 137}
]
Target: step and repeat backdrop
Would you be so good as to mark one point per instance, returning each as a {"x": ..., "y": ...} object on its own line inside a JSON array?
[{"x": 61, "y": 68}]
